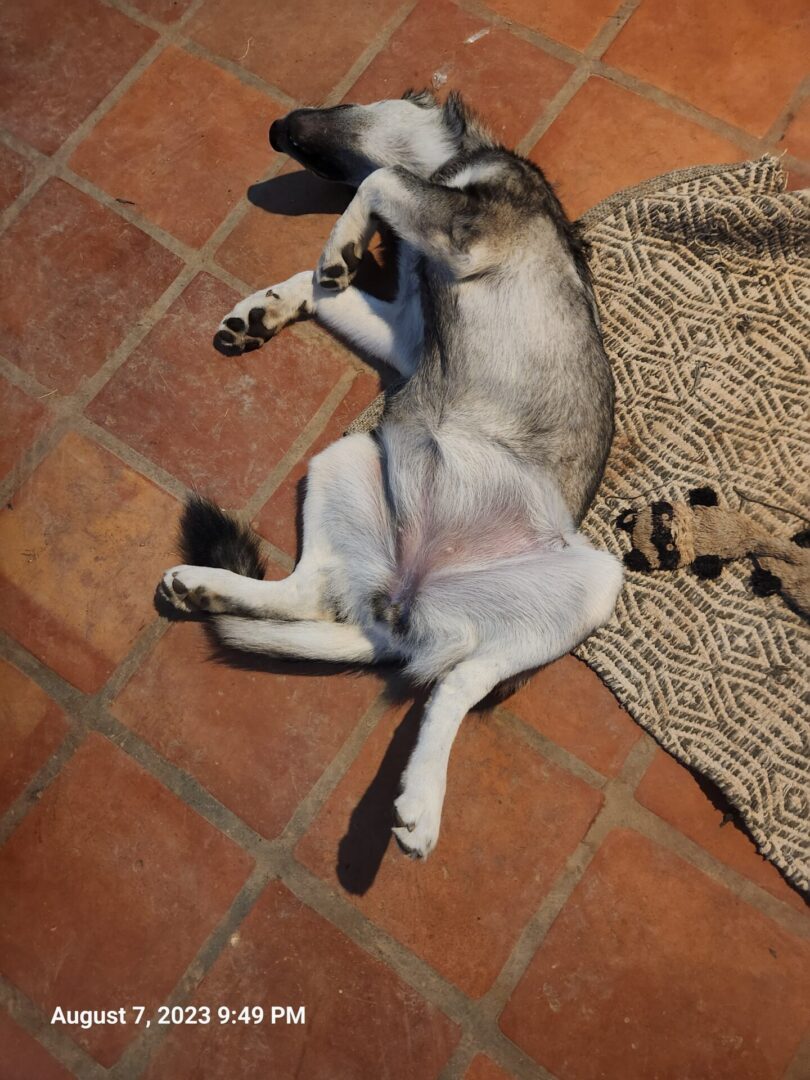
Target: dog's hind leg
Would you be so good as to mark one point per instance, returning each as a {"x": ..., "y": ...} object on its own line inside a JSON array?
[
  {"x": 566, "y": 595},
  {"x": 303, "y": 640}
]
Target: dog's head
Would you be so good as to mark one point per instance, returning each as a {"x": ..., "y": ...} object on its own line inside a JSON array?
[{"x": 347, "y": 142}]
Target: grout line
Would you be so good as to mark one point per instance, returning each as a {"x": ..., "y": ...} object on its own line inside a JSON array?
[
  {"x": 582, "y": 70},
  {"x": 799, "y": 1068},
  {"x": 550, "y": 750},
  {"x": 372, "y": 50},
  {"x": 244, "y": 75},
  {"x": 776, "y": 131},
  {"x": 305, "y": 438},
  {"x": 55, "y": 1040},
  {"x": 135, "y": 1058}
]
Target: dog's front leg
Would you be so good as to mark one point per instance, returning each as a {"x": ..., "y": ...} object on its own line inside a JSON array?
[
  {"x": 261, "y": 315},
  {"x": 436, "y": 220}
]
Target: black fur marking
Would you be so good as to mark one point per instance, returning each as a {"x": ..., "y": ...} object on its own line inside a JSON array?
[
  {"x": 703, "y": 496},
  {"x": 764, "y": 583},
  {"x": 707, "y": 566},
  {"x": 256, "y": 325},
  {"x": 236, "y": 324},
  {"x": 626, "y": 521},
  {"x": 251, "y": 345},
  {"x": 224, "y": 343},
  {"x": 350, "y": 257},
  {"x": 668, "y": 555},
  {"x": 333, "y": 271},
  {"x": 211, "y": 537},
  {"x": 802, "y": 538},
  {"x": 637, "y": 560},
  {"x": 425, "y": 99}
]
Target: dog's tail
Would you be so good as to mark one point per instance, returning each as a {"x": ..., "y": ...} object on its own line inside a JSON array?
[{"x": 211, "y": 537}]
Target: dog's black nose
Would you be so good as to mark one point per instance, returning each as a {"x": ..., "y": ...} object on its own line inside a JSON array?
[{"x": 277, "y": 134}]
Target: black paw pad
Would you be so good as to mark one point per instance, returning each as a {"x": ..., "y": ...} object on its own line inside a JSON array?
[
  {"x": 350, "y": 257},
  {"x": 256, "y": 325},
  {"x": 224, "y": 342},
  {"x": 236, "y": 324},
  {"x": 333, "y": 271},
  {"x": 329, "y": 284},
  {"x": 251, "y": 345}
]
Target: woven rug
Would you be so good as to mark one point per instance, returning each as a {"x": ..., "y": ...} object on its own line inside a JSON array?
[{"x": 703, "y": 283}]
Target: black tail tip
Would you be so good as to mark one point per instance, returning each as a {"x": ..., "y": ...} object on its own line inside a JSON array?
[{"x": 211, "y": 537}]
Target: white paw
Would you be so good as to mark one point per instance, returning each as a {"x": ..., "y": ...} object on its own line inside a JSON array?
[
  {"x": 195, "y": 588},
  {"x": 419, "y": 813},
  {"x": 260, "y": 316}
]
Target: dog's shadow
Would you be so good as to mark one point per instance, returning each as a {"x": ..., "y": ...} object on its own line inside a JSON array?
[{"x": 297, "y": 193}]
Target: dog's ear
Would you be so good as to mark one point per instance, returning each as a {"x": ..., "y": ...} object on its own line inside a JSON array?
[
  {"x": 424, "y": 98},
  {"x": 703, "y": 496}
]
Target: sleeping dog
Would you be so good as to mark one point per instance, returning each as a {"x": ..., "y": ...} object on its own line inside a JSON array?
[{"x": 447, "y": 539}]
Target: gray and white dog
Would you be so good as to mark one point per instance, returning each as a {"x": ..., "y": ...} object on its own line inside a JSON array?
[{"x": 446, "y": 540}]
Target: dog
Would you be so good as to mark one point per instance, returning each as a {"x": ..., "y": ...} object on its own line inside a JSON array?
[{"x": 446, "y": 540}]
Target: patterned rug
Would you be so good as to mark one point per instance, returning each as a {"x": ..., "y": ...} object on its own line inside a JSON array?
[{"x": 703, "y": 283}]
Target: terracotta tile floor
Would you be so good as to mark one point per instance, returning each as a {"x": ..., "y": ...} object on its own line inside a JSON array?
[{"x": 182, "y": 832}]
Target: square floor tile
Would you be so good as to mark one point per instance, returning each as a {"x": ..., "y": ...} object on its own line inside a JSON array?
[
  {"x": 739, "y": 62},
  {"x": 796, "y": 139},
  {"x": 183, "y": 144},
  {"x": 219, "y": 424},
  {"x": 278, "y": 518},
  {"x": 579, "y": 151},
  {"x": 285, "y": 229},
  {"x": 362, "y": 1021},
  {"x": 569, "y": 703},
  {"x": 508, "y": 80},
  {"x": 511, "y": 820},
  {"x": 108, "y": 888},
  {"x": 575, "y": 24},
  {"x": 59, "y": 61},
  {"x": 674, "y": 794},
  {"x": 256, "y": 739},
  {"x": 83, "y": 545},
  {"x": 305, "y": 49},
  {"x": 15, "y": 172},
  {"x": 652, "y": 969},
  {"x": 24, "y": 418},
  {"x": 33, "y": 726},
  {"x": 22, "y": 1056},
  {"x": 483, "y": 1068},
  {"x": 85, "y": 278}
]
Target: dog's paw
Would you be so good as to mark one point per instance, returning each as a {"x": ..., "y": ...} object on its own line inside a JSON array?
[
  {"x": 260, "y": 317},
  {"x": 338, "y": 266},
  {"x": 418, "y": 813},
  {"x": 194, "y": 588}
]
